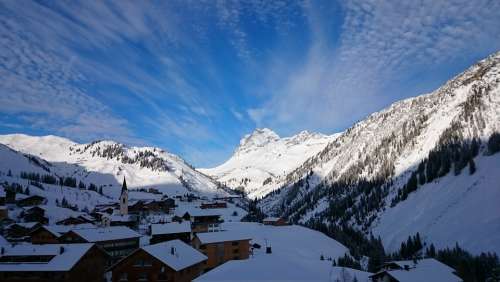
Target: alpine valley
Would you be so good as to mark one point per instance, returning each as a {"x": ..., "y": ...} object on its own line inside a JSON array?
[{"x": 428, "y": 164}]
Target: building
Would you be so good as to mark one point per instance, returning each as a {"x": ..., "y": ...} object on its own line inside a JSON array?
[
  {"x": 124, "y": 199},
  {"x": 4, "y": 211},
  {"x": 35, "y": 214},
  {"x": 50, "y": 234},
  {"x": 118, "y": 241},
  {"x": 20, "y": 231},
  {"x": 30, "y": 201},
  {"x": 214, "y": 205},
  {"x": 173, "y": 261},
  {"x": 429, "y": 270},
  {"x": 203, "y": 220},
  {"x": 72, "y": 220},
  {"x": 276, "y": 221},
  {"x": 171, "y": 231},
  {"x": 221, "y": 247},
  {"x": 148, "y": 207},
  {"x": 127, "y": 220},
  {"x": 47, "y": 263}
]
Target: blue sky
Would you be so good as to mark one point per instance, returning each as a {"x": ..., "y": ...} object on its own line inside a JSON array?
[{"x": 194, "y": 76}]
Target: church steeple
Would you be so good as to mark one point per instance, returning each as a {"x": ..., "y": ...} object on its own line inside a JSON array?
[
  {"x": 124, "y": 198},
  {"x": 124, "y": 185}
]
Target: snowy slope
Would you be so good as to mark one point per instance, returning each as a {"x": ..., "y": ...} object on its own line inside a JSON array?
[
  {"x": 105, "y": 163},
  {"x": 263, "y": 159},
  {"x": 372, "y": 160},
  {"x": 461, "y": 208}
]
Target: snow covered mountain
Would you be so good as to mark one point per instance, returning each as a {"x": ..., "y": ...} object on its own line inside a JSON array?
[
  {"x": 263, "y": 159},
  {"x": 106, "y": 163},
  {"x": 426, "y": 164}
]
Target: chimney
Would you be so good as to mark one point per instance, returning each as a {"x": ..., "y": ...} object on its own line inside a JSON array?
[
  {"x": 268, "y": 250},
  {"x": 61, "y": 250},
  {"x": 172, "y": 250},
  {"x": 2, "y": 251}
]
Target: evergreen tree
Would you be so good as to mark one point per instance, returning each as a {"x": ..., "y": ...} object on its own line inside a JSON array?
[{"x": 472, "y": 166}]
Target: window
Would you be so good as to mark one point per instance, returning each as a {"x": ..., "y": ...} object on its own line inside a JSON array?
[
  {"x": 124, "y": 277},
  {"x": 236, "y": 251},
  {"x": 139, "y": 263},
  {"x": 142, "y": 277},
  {"x": 235, "y": 243},
  {"x": 203, "y": 247}
]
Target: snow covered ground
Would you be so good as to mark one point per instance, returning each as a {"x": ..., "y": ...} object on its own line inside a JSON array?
[{"x": 449, "y": 210}]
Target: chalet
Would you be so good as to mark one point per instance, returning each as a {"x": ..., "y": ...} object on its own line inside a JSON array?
[
  {"x": 127, "y": 220},
  {"x": 276, "y": 221},
  {"x": 171, "y": 231},
  {"x": 35, "y": 214},
  {"x": 202, "y": 220},
  {"x": 44, "y": 263},
  {"x": 4, "y": 212},
  {"x": 118, "y": 241},
  {"x": 221, "y": 247},
  {"x": 50, "y": 234},
  {"x": 168, "y": 261},
  {"x": 429, "y": 270},
  {"x": 31, "y": 201},
  {"x": 147, "y": 207},
  {"x": 214, "y": 205},
  {"x": 72, "y": 220},
  {"x": 20, "y": 231}
]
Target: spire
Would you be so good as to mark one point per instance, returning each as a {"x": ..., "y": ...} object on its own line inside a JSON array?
[{"x": 124, "y": 185}]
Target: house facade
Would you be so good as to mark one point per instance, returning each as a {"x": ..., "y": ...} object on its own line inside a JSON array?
[
  {"x": 221, "y": 247},
  {"x": 117, "y": 241},
  {"x": 47, "y": 263},
  {"x": 172, "y": 261}
]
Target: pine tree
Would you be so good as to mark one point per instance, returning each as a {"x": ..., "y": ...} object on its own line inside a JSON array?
[{"x": 472, "y": 166}]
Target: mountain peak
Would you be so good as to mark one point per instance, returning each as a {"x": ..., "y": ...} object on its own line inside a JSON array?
[{"x": 259, "y": 138}]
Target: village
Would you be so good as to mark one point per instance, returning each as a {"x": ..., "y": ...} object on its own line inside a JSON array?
[{"x": 179, "y": 238}]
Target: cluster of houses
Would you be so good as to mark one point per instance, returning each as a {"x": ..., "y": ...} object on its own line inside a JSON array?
[
  {"x": 109, "y": 245},
  {"x": 108, "y": 242}
]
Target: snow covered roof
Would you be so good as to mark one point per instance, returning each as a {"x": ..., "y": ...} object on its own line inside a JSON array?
[
  {"x": 200, "y": 212},
  {"x": 271, "y": 219},
  {"x": 58, "y": 230},
  {"x": 280, "y": 267},
  {"x": 223, "y": 236},
  {"x": 106, "y": 233},
  {"x": 184, "y": 255},
  {"x": 429, "y": 270},
  {"x": 3, "y": 241},
  {"x": 121, "y": 218},
  {"x": 71, "y": 254},
  {"x": 170, "y": 228},
  {"x": 27, "y": 225}
]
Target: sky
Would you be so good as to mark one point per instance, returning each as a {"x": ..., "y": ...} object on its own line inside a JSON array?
[{"x": 193, "y": 77}]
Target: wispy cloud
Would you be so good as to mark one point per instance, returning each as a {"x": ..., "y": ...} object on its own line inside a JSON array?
[{"x": 380, "y": 43}]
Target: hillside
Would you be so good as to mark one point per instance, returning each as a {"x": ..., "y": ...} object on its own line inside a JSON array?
[
  {"x": 105, "y": 164},
  {"x": 393, "y": 172},
  {"x": 263, "y": 159}
]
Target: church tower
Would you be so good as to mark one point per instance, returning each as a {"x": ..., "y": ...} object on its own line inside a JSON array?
[{"x": 124, "y": 199}]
